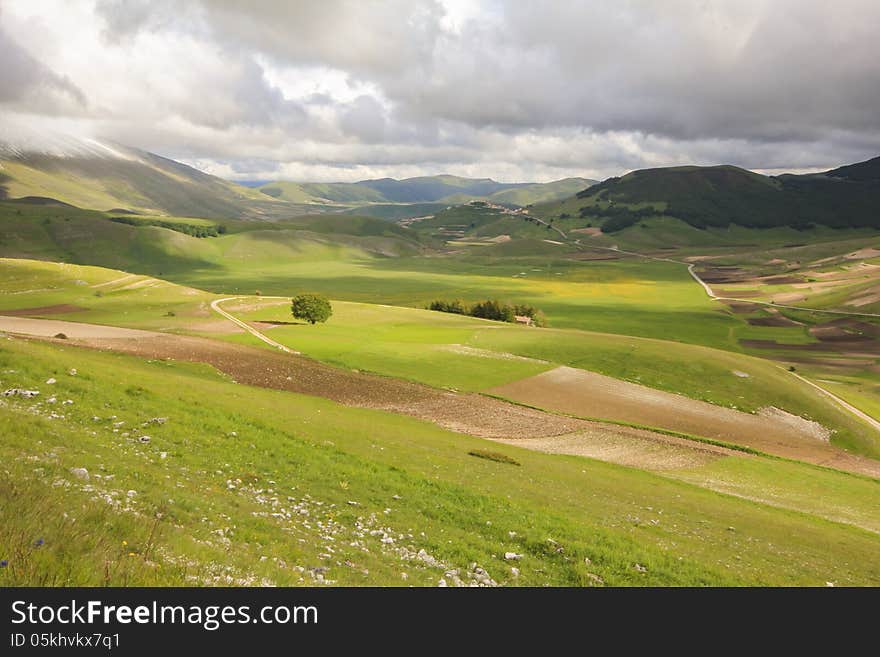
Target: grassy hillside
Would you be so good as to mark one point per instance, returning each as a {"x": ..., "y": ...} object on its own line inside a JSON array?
[
  {"x": 321, "y": 192},
  {"x": 426, "y": 189},
  {"x": 267, "y": 487},
  {"x": 134, "y": 180},
  {"x": 724, "y": 195},
  {"x": 542, "y": 193}
]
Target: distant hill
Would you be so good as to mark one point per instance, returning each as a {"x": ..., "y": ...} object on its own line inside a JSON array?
[
  {"x": 425, "y": 189},
  {"x": 723, "y": 195},
  {"x": 105, "y": 176}
]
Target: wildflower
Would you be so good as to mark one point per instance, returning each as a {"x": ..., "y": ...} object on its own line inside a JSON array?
[
  {"x": 4, "y": 563},
  {"x": 39, "y": 542},
  {"x": 132, "y": 554},
  {"x": 125, "y": 542}
]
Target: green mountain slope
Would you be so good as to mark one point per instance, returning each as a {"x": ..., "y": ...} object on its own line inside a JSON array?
[
  {"x": 424, "y": 189},
  {"x": 119, "y": 177},
  {"x": 724, "y": 195}
]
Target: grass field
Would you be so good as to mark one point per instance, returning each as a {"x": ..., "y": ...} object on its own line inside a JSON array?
[
  {"x": 469, "y": 354},
  {"x": 439, "y": 349},
  {"x": 374, "y": 261},
  {"x": 271, "y": 487}
]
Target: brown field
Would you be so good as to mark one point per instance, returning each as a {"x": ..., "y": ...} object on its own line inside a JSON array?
[
  {"x": 58, "y": 309},
  {"x": 587, "y": 394}
]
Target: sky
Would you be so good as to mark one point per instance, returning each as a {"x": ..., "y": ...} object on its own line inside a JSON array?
[{"x": 343, "y": 90}]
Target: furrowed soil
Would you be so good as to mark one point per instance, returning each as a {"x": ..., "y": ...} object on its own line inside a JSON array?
[{"x": 587, "y": 394}]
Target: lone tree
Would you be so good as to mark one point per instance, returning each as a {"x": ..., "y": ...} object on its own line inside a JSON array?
[{"x": 311, "y": 307}]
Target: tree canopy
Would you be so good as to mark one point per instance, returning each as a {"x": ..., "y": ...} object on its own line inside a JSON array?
[{"x": 311, "y": 307}]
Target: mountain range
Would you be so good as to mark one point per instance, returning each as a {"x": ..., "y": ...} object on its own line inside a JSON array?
[{"x": 104, "y": 176}]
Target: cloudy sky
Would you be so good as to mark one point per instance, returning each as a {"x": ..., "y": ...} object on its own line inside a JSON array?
[{"x": 516, "y": 90}]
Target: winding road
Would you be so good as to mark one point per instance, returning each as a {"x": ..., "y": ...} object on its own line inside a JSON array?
[{"x": 215, "y": 305}]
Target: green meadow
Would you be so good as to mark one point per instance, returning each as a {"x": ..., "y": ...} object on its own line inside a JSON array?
[
  {"x": 267, "y": 487},
  {"x": 438, "y": 349}
]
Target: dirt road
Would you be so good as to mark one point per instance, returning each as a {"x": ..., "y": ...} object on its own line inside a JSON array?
[
  {"x": 215, "y": 305},
  {"x": 47, "y": 328}
]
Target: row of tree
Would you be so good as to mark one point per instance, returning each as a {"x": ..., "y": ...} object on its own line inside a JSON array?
[
  {"x": 490, "y": 309},
  {"x": 195, "y": 230}
]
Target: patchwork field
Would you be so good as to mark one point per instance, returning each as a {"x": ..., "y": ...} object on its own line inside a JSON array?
[{"x": 688, "y": 420}]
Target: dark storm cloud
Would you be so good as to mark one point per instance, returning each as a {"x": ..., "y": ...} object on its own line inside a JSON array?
[
  {"x": 25, "y": 81},
  {"x": 518, "y": 88}
]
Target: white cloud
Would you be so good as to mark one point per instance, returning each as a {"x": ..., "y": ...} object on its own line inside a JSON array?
[{"x": 344, "y": 89}]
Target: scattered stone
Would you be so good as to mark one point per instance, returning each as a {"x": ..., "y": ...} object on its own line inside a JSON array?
[
  {"x": 19, "y": 392},
  {"x": 144, "y": 439},
  {"x": 442, "y": 584},
  {"x": 830, "y": 585},
  {"x": 72, "y": 371},
  {"x": 131, "y": 493},
  {"x": 742, "y": 375},
  {"x": 514, "y": 571},
  {"x": 67, "y": 402},
  {"x": 511, "y": 534},
  {"x": 353, "y": 503},
  {"x": 80, "y": 473},
  {"x": 163, "y": 455},
  {"x": 639, "y": 567},
  {"x": 595, "y": 579},
  {"x": 731, "y": 529},
  {"x": 396, "y": 497},
  {"x": 404, "y": 576},
  {"x": 512, "y": 556},
  {"x": 50, "y": 381},
  {"x": 156, "y": 420}
]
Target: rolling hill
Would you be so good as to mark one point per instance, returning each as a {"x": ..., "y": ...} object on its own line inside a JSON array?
[
  {"x": 723, "y": 195},
  {"x": 426, "y": 189},
  {"x": 107, "y": 176}
]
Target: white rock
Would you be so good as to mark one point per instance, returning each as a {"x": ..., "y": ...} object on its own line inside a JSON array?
[
  {"x": 80, "y": 473},
  {"x": 512, "y": 556},
  {"x": 442, "y": 584},
  {"x": 50, "y": 381},
  {"x": 72, "y": 371},
  {"x": 514, "y": 571},
  {"x": 131, "y": 493}
]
